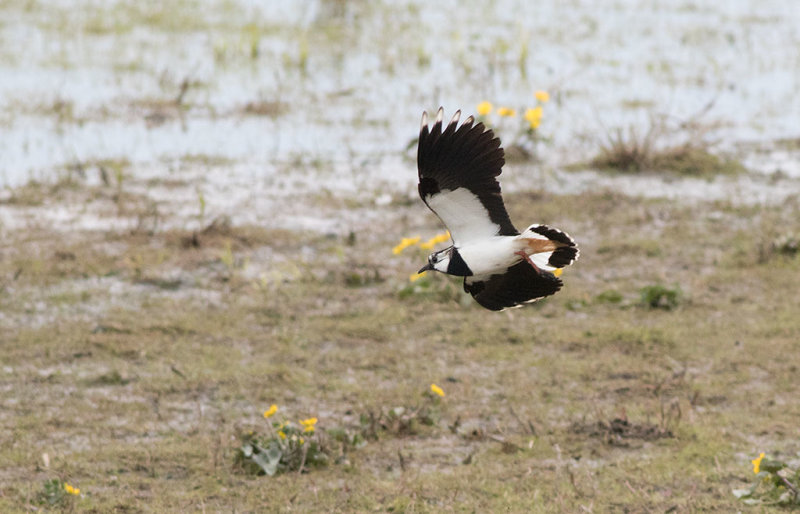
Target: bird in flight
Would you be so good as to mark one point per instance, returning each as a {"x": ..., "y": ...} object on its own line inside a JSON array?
[{"x": 502, "y": 268}]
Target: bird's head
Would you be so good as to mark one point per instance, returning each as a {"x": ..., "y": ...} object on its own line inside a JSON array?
[{"x": 438, "y": 261}]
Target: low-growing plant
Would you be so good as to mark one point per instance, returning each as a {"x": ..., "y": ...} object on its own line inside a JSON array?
[
  {"x": 609, "y": 296},
  {"x": 777, "y": 483},
  {"x": 628, "y": 153},
  {"x": 286, "y": 446},
  {"x": 360, "y": 277},
  {"x": 404, "y": 420},
  {"x": 656, "y": 150},
  {"x": 56, "y": 492},
  {"x": 786, "y": 244},
  {"x": 658, "y": 296}
]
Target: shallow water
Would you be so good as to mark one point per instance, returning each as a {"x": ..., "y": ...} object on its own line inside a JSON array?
[{"x": 341, "y": 86}]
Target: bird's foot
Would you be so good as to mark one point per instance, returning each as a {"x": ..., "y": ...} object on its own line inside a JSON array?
[{"x": 525, "y": 256}]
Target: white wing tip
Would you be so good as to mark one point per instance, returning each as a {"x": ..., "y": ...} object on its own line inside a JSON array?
[{"x": 440, "y": 117}]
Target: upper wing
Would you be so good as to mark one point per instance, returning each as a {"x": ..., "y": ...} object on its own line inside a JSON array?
[
  {"x": 520, "y": 284},
  {"x": 457, "y": 170}
]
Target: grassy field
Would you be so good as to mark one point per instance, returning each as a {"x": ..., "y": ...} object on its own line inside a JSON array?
[
  {"x": 134, "y": 362},
  {"x": 198, "y": 209}
]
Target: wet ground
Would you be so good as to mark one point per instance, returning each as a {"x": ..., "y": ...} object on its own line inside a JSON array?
[
  {"x": 215, "y": 188},
  {"x": 329, "y": 93}
]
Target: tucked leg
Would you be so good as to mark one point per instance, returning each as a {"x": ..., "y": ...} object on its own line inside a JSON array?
[{"x": 525, "y": 256}]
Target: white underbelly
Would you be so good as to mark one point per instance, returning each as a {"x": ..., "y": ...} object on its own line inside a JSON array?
[{"x": 492, "y": 255}]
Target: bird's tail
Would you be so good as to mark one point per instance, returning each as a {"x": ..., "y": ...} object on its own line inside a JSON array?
[{"x": 549, "y": 248}]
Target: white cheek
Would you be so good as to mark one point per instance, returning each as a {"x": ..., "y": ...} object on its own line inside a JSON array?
[{"x": 442, "y": 265}]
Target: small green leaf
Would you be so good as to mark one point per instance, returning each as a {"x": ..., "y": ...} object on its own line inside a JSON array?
[
  {"x": 772, "y": 466},
  {"x": 359, "y": 441},
  {"x": 267, "y": 459},
  {"x": 274, "y": 452},
  {"x": 270, "y": 467},
  {"x": 337, "y": 433}
]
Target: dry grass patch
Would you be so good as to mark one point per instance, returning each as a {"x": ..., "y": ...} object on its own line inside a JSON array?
[{"x": 630, "y": 152}]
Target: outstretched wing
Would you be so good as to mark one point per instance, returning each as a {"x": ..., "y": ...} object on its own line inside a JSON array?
[
  {"x": 458, "y": 167},
  {"x": 520, "y": 284}
]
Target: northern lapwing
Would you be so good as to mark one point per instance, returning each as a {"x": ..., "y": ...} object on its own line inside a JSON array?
[{"x": 502, "y": 268}]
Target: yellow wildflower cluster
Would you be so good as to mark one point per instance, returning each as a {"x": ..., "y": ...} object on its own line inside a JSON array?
[
  {"x": 308, "y": 424},
  {"x": 437, "y": 390},
  {"x": 532, "y": 115},
  {"x": 71, "y": 490},
  {"x": 430, "y": 243},
  {"x": 405, "y": 243},
  {"x": 757, "y": 463},
  {"x": 427, "y": 245}
]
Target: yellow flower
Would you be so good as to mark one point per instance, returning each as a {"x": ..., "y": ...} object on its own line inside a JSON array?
[
  {"x": 301, "y": 440},
  {"x": 308, "y": 424},
  {"x": 71, "y": 490},
  {"x": 437, "y": 390},
  {"x": 416, "y": 276},
  {"x": 430, "y": 243},
  {"x": 542, "y": 96},
  {"x": 281, "y": 434},
  {"x": 757, "y": 463},
  {"x": 558, "y": 271},
  {"x": 506, "y": 111},
  {"x": 405, "y": 243},
  {"x": 272, "y": 410},
  {"x": 484, "y": 108},
  {"x": 534, "y": 117}
]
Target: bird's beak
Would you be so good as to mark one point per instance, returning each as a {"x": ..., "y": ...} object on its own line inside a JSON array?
[{"x": 427, "y": 267}]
